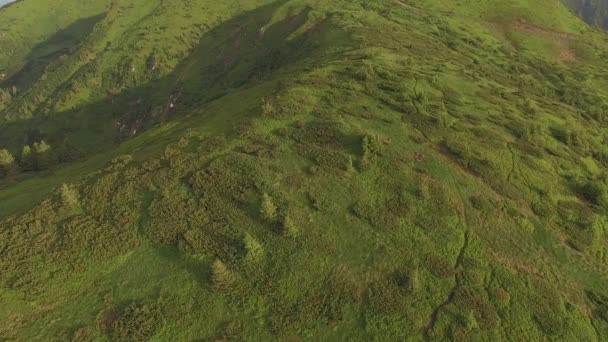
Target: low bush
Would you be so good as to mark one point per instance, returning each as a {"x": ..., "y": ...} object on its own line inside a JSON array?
[
  {"x": 137, "y": 322},
  {"x": 439, "y": 266}
]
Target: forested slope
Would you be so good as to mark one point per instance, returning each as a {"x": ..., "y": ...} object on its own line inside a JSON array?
[{"x": 307, "y": 170}]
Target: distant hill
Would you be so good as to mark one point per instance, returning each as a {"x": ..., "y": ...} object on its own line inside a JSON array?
[{"x": 594, "y": 12}]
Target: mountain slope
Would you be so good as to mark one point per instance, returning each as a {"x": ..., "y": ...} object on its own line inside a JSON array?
[
  {"x": 426, "y": 170},
  {"x": 594, "y": 12}
]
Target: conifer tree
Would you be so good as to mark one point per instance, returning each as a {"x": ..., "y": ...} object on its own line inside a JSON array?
[
  {"x": 27, "y": 160},
  {"x": 41, "y": 155},
  {"x": 253, "y": 247},
  {"x": 69, "y": 196},
  {"x": 222, "y": 277},
  {"x": 372, "y": 148},
  {"x": 5, "y": 98},
  {"x": 6, "y": 158},
  {"x": 289, "y": 227},
  {"x": 350, "y": 165},
  {"x": 7, "y": 163},
  {"x": 268, "y": 210}
]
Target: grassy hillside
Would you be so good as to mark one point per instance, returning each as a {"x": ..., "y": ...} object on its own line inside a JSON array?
[
  {"x": 84, "y": 81},
  {"x": 309, "y": 170}
]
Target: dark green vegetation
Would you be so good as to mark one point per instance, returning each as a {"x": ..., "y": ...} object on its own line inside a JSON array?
[{"x": 303, "y": 170}]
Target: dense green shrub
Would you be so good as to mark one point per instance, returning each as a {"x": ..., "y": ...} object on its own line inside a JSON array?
[
  {"x": 318, "y": 133},
  {"x": 499, "y": 296},
  {"x": 391, "y": 295},
  {"x": 594, "y": 191},
  {"x": 340, "y": 293},
  {"x": 229, "y": 331},
  {"x": 542, "y": 206},
  {"x": 439, "y": 266},
  {"x": 106, "y": 317},
  {"x": 475, "y": 300},
  {"x": 381, "y": 215},
  {"x": 169, "y": 218},
  {"x": 549, "y": 320},
  {"x": 571, "y": 137},
  {"x": 483, "y": 203},
  {"x": 235, "y": 176},
  {"x": 6, "y": 95},
  {"x": 137, "y": 322},
  {"x": 320, "y": 200},
  {"x": 460, "y": 149},
  {"x": 83, "y": 334}
]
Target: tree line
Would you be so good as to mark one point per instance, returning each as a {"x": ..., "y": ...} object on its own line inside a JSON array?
[{"x": 37, "y": 157}]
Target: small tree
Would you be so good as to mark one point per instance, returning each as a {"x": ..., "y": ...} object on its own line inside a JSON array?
[
  {"x": 222, "y": 277},
  {"x": 5, "y": 98},
  {"x": 42, "y": 155},
  {"x": 350, "y": 165},
  {"x": 268, "y": 209},
  {"x": 267, "y": 108},
  {"x": 372, "y": 148},
  {"x": 289, "y": 227},
  {"x": 27, "y": 161},
  {"x": 69, "y": 196},
  {"x": 6, "y": 158},
  {"x": 255, "y": 251},
  {"x": 41, "y": 147},
  {"x": 7, "y": 163}
]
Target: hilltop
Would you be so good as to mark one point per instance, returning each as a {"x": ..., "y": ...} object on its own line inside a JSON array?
[{"x": 302, "y": 169}]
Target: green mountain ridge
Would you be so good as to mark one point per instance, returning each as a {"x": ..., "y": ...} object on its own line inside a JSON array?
[{"x": 302, "y": 170}]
